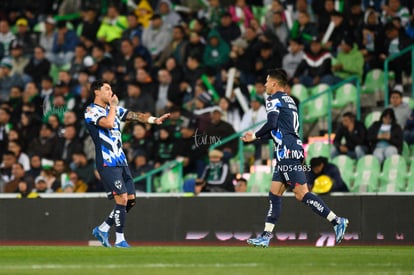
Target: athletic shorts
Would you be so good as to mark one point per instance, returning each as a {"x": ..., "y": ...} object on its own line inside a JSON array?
[
  {"x": 290, "y": 171},
  {"x": 117, "y": 180}
]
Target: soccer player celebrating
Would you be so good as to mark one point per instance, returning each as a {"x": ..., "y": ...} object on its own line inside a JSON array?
[
  {"x": 282, "y": 126},
  {"x": 103, "y": 119}
]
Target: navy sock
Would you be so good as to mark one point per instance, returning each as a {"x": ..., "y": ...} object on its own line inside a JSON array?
[
  {"x": 119, "y": 217},
  {"x": 316, "y": 204},
  {"x": 110, "y": 219},
  {"x": 275, "y": 207}
]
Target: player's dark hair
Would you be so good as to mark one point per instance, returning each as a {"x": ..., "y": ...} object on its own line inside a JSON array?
[
  {"x": 97, "y": 85},
  {"x": 279, "y": 75}
]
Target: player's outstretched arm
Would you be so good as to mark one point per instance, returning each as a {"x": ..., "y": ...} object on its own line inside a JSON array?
[{"x": 146, "y": 118}]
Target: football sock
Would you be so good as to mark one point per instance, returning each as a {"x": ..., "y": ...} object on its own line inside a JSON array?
[
  {"x": 110, "y": 219},
  {"x": 275, "y": 207},
  {"x": 119, "y": 237},
  {"x": 119, "y": 218},
  {"x": 104, "y": 227},
  {"x": 317, "y": 205}
]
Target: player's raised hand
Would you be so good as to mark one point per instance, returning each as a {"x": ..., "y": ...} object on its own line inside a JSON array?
[
  {"x": 114, "y": 100},
  {"x": 160, "y": 120},
  {"x": 248, "y": 137}
]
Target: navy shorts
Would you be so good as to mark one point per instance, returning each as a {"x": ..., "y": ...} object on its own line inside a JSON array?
[
  {"x": 117, "y": 180},
  {"x": 290, "y": 171}
]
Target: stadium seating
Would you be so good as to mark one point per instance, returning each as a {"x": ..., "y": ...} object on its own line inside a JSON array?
[
  {"x": 171, "y": 181},
  {"x": 371, "y": 118},
  {"x": 315, "y": 109},
  {"x": 318, "y": 149},
  {"x": 319, "y": 89},
  {"x": 299, "y": 91},
  {"x": 346, "y": 166},
  {"x": 406, "y": 152},
  {"x": 393, "y": 173},
  {"x": 260, "y": 179},
  {"x": 367, "y": 174},
  {"x": 344, "y": 95},
  {"x": 410, "y": 178},
  {"x": 374, "y": 82}
]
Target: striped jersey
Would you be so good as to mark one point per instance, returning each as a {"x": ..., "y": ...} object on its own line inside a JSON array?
[{"x": 108, "y": 142}]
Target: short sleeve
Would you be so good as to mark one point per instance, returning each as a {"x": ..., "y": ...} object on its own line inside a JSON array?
[
  {"x": 93, "y": 114},
  {"x": 273, "y": 105},
  {"x": 121, "y": 113}
]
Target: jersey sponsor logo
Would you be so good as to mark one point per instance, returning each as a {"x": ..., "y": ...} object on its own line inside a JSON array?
[{"x": 285, "y": 153}]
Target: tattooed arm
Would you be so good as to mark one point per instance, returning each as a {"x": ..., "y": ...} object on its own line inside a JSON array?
[{"x": 146, "y": 118}]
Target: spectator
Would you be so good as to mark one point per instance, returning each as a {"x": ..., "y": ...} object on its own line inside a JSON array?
[
  {"x": 8, "y": 159},
  {"x": 268, "y": 58},
  {"x": 175, "y": 48},
  {"x": 195, "y": 46},
  {"x": 137, "y": 99},
  {"x": 64, "y": 43},
  {"x": 394, "y": 42},
  {"x": 277, "y": 26},
  {"x": 213, "y": 14},
  {"x": 231, "y": 113},
  {"x": 241, "y": 185},
  {"x": 216, "y": 176},
  {"x": 139, "y": 167},
  {"x": 35, "y": 166},
  {"x": 167, "y": 93},
  {"x": 46, "y": 37},
  {"x": 156, "y": 37},
  {"x": 6, "y": 37},
  {"x": 219, "y": 129},
  {"x": 83, "y": 168},
  {"x": 76, "y": 64},
  {"x": 401, "y": 109},
  {"x": 25, "y": 190},
  {"x": 216, "y": 53},
  {"x": 7, "y": 79},
  {"x": 165, "y": 147},
  {"x": 18, "y": 174},
  {"x": 320, "y": 166},
  {"x": 303, "y": 28},
  {"x": 170, "y": 17},
  {"x": 41, "y": 185},
  {"x": 315, "y": 67},
  {"x": 38, "y": 65},
  {"x": 349, "y": 61},
  {"x": 340, "y": 31},
  {"x": 144, "y": 13},
  {"x": 124, "y": 63},
  {"x": 88, "y": 26},
  {"x": 292, "y": 60},
  {"x": 350, "y": 138},
  {"x": 112, "y": 26},
  {"x": 395, "y": 9},
  {"x": 5, "y": 127},
  {"x": 241, "y": 13},
  {"x": 73, "y": 184},
  {"x": 25, "y": 37},
  {"x": 134, "y": 28},
  {"x": 22, "y": 158},
  {"x": 68, "y": 144},
  {"x": 19, "y": 61},
  {"x": 228, "y": 29},
  {"x": 371, "y": 39},
  {"x": 385, "y": 136}
]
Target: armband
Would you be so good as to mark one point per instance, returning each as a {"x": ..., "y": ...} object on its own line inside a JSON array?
[{"x": 151, "y": 120}]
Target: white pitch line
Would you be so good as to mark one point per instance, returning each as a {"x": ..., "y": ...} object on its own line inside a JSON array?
[{"x": 115, "y": 266}]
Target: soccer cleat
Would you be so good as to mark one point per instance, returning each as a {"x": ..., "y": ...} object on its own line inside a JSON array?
[
  {"x": 101, "y": 236},
  {"x": 122, "y": 244},
  {"x": 340, "y": 229},
  {"x": 262, "y": 241}
]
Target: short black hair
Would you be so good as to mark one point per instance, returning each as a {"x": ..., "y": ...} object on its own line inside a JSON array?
[
  {"x": 97, "y": 85},
  {"x": 280, "y": 75},
  {"x": 314, "y": 162}
]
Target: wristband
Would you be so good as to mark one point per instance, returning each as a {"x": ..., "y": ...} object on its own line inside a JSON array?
[
  {"x": 254, "y": 136},
  {"x": 151, "y": 120}
]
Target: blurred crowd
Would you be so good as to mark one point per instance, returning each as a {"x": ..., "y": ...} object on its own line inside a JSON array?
[{"x": 169, "y": 56}]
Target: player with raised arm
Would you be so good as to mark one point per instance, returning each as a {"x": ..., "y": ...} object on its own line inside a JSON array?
[
  {"x": 103, "y": 118},
  {"x": 282, "y": 127}
]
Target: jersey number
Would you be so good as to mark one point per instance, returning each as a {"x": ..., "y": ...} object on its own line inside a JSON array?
[{"x": 296, "y": 122}]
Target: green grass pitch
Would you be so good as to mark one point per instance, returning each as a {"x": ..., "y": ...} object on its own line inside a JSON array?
[{"x": 206, "y": 260}]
